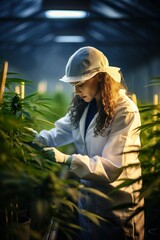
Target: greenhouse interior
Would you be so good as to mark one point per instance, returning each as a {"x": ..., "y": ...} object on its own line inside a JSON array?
[{"x": 47, "y": 171}]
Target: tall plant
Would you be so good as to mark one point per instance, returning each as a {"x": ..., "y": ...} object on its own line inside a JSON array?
[
  {"x": 28, "y": 181},
  {"x": 150, "y": 152}
]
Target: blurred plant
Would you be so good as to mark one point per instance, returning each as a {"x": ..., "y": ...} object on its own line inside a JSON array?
[
  {"x": 28, "y": 181},
  {"x": 150, "y": 152}
]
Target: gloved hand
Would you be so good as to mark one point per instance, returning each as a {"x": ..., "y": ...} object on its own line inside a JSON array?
[
  {"x": 55, "y": 155},
  {"x": 31, "y": 131},
  {"x": 33, "y": 142},
  {"x": 36, "y": 135}
]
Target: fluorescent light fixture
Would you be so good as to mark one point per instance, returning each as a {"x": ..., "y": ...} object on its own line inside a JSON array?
[
  {"x": 69, "y": 39},
  {"x": 65, "y": 14}
]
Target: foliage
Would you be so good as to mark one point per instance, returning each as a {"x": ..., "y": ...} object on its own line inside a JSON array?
[
  {"x": 30, "y": 184},
  {"x": 150, "y": 152}
]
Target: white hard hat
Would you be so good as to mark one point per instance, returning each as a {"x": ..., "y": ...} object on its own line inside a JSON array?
[{"x": 85, "y": 63}]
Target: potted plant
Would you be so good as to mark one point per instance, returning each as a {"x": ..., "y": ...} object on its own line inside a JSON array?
[
  {"x": 31, "y": 186},
  {"x": 149, "y": 155}
]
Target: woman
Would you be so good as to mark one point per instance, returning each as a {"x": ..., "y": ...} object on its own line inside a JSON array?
[{"x": 101, "y": 122}]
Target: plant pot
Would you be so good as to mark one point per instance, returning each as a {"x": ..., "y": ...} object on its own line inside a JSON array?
[
  {"x": 22, "y": 229},
  {"x": 154, "y": 234},
  {"x": 152, "y": 215}
]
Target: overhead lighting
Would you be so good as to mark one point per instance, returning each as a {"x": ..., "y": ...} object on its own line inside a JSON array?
[
  {"x": 66, "y": 14},
  {"x": 70, "y": 38},
  {"x": 66, "y": 8}
]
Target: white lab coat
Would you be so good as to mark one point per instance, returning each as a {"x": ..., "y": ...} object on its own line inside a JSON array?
[{"x": 100, "y": 161}]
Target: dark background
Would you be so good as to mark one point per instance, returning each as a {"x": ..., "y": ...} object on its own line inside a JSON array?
[{"x": 127, "y": 31}]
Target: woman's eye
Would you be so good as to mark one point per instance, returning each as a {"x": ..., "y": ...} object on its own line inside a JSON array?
[{"x": 78, "y": 85}]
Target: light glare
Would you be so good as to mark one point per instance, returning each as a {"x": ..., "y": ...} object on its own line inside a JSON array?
[
  {"x": 65, "y": 14},
  {"x": 69, "y": 39}
]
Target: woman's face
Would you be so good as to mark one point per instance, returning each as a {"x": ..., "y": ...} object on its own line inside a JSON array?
[{"x": 88, "y": 90}]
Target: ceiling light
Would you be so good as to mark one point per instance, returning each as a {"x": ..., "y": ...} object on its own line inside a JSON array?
[
  {"x": 66, "y": 8},
  {"x": 70, "y": 38},
  {"x": 65, "y": 14}
]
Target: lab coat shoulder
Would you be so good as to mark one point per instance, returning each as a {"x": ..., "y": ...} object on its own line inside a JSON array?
[{"x": 127, "y": 117}]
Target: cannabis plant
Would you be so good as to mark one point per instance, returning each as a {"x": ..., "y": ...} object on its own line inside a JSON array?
[{"x": 31, "y": 186}]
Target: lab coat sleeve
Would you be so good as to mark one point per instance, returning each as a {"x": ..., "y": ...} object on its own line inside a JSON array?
[
  {"x": 58, "y": 136},
  {"x": 121, "y": 149}
]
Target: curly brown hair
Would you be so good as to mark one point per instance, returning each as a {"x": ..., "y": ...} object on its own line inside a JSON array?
[{"x": 109, "y": 92}]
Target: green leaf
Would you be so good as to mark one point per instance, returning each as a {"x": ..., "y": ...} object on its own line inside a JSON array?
[
  {"x": 95, "y": 191},
  {"x": 92, "y": 216}
]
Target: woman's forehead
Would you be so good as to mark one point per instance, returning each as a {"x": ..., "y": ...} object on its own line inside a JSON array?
[{"x": 83, "y": 81}]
